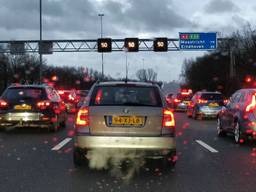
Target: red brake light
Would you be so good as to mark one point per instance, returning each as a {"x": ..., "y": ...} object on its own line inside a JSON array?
[
  {"x": 168, "y": 100},
  {"x": 61, "y": 92},
  {"x": 202, "y": 101},
  {"x": 43, "y": 104},
  {"x": 252, "y": 105},
  {"x": 225, "y": 101},
  {"x": 3, "y": 104},
  {"x": 185, "y": 93},
  {"x": 82, "y": 118},
  {"x": 168, "y": 118},
  {"x": 70, "y": 97},
  {"x": 177, "y": 100}
]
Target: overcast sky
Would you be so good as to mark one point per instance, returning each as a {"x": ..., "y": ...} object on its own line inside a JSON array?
[{"x": 78, "y": 19}]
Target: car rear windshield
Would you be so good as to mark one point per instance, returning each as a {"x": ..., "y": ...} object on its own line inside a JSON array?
[
  {"x": 128, "y": 96},
  {"x": 24, "y": 93},
  {"x": 212, "y": 96},
  {"x": 184, "y": 97}
]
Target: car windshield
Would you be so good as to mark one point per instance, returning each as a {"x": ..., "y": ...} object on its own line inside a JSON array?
[
  {"x": 211, "y": 96},
  {"x": 128, "y": 96},
  {"x": 23, "y": 93},
  {"x": 184, "y": 97}
]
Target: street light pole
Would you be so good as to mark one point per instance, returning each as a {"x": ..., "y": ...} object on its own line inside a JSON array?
[
  {"x": 101, "y": 32},
  {"x": 143, "y": 64},
  {"x": 126, "y": 66},
  {"x": 40, "y": 44}
]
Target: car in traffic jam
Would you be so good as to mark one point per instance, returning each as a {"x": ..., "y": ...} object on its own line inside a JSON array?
[
  {"x": 131, "y": 116},
  {"x": 205, "y": 105},
  {"x": 180, "y": 101},
  {"x": 31, "y": 106},
  {"x": 238, "y": 117},
  {"x": 70, "y": 99}
]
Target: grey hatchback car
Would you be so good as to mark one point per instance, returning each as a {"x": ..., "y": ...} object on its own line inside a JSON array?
[{"x": 127, "y": 116}]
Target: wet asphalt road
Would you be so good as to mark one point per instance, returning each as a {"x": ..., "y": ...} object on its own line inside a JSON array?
[{"x": 28, "y": 163}]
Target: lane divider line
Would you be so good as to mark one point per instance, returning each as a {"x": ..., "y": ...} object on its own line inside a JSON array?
[
  {"x": 208, "y": 147},
  {"x": 61, "y": 144}
]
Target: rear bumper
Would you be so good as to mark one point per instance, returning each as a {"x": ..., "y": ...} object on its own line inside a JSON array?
[
  {"x": 181, "y": 107},
  {"x": 152, "y": 146},
  {"x": 208, "y": 113},
  {"x": 25, "y": 119}
]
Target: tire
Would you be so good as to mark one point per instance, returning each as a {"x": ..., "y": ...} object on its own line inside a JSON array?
[
  {"x": 79, "y": 157},
  {"x": 188, "y": 114},
  {"x": 237, "y": 133},
  {"x": 63, "y": 124},
  {"x": 194, "y": 115},
  {"x": 54, "y": 127},
  {"x": 169, "y": 162},
  {"x": 220, "y": 131}
]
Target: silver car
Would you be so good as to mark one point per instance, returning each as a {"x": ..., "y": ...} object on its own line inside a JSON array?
[
  {"x": 205, "y": 104},
  {"x": 126, "y": 115}
]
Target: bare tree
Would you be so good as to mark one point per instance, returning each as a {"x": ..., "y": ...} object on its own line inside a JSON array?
[{"x": 146, "y": 74}]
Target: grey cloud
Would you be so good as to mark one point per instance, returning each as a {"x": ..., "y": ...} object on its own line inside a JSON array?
[
  {"x": 81, "y": 16},
  {"x": 66, "y": 15},
  {"x": 221, "y": 6},
  {"x": 146, "y": 15},
  {"x": 239, "y": 21}
]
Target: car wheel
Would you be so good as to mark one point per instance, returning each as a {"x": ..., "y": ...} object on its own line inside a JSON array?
[
  {"x": 237, "y": 133},
  {"x": 79, "y": 157},
  {"x": 54, "y": 127},
  {"x": 63, "y": 123},
  {"x": 189, "y": 114},
  {"x": 220, "y": 131},
  {"x": 169, "y": 162},
  {"x": 194, "y": 115}
]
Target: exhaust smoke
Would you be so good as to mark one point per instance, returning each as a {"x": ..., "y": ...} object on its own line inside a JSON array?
[{"x": 122, "y": 164}]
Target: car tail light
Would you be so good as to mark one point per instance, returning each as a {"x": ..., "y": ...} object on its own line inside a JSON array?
[
  {"x": 43, "y": 104},
  {"x": 185, "y": 93},
  {"x": 3, "y": 104},
  {"x": 190, "y": 104},
  {"x": 177, "y": 100},
  {"x": 251, "y": 106},
  {"x": 70, "y": 97},
  {"x": 249, "y": 131},
  {"x": 168, "y": 100},
  {"x": 225, "y": 101},
  {"x": 82, "y": 118},
  {"x": 168, "y": 118},
  {"x": 202, "y": 101},
  {"x": 61, "y": 92}
]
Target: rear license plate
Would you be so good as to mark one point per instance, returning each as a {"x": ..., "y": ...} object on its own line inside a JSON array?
[
  {"x": 23, "y": 107},
  {"x": 213, "y": 105},
  {"x": 126, "y": 121}
]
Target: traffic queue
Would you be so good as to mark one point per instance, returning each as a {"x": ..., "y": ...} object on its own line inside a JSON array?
[{"x": 126, "y": 115}]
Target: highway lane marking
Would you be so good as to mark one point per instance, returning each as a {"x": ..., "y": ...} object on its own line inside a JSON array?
[
  {"x": 61, "y": 144},
  {"x": 208, "y": 147}
]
